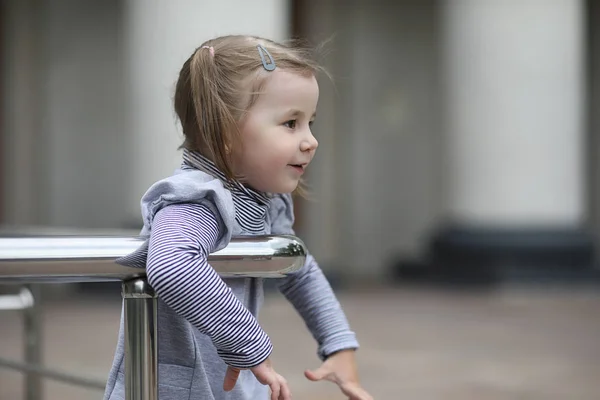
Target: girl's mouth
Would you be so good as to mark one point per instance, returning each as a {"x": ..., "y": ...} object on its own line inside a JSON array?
[{"x": 298, "y": 167}]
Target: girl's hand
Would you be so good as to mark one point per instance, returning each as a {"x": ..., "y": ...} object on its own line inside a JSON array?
[
  {"x": 266, "y": 375},
  {"x": 340, "y": 368}
]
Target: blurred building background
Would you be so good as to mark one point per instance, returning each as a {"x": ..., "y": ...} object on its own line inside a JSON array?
[
  {"x": 459, "y": 143},
  {"x": 452, "y": 130}
]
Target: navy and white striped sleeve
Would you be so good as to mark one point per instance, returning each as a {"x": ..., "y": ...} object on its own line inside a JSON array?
[
  {"x": 182, "y": 237},
  {"x": 312, "y": 296},
  {"x": 309, "y": 291}
]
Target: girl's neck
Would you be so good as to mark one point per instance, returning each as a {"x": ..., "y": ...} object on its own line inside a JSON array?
[{"x": 198, "y": 161}]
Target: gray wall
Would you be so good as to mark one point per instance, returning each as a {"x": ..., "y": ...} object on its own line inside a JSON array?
[
  {"x": 66, "y": 130},
  {"x": 376, "y": 181},
  {"x": 83, "y": 114}
]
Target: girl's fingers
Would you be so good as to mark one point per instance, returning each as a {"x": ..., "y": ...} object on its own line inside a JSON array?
[
  {"x": 355, "y": 392},
  {"x": 231, "y": 377},
  {"x": 285, "y": 393},
  {"x": 275, "y": 389}
]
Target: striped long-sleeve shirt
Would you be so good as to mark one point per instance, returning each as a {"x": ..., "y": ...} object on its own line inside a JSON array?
[{"x": 182, "y": 236}]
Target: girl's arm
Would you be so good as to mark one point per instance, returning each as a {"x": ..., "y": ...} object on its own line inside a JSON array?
[
  {"x": 310, "y": 293},
  {"x": 182, "y": 237}
]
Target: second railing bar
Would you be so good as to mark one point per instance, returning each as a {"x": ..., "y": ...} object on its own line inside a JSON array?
[{"x": 55, "y": 374}]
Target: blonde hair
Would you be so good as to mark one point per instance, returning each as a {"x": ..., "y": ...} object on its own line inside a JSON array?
[{"x": 219, "y": 82}]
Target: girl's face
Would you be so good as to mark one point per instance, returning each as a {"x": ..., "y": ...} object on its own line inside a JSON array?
[{"x": 277, "y": 142}]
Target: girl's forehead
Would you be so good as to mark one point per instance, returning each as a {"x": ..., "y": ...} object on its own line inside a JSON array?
[{"x": 283, "y": 88}]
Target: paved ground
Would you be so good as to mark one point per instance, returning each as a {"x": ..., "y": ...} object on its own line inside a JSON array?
[{"x": 417, "y": 344}]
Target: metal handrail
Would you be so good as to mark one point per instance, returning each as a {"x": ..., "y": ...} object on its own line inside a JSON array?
[{"x": 70, "y": 259}]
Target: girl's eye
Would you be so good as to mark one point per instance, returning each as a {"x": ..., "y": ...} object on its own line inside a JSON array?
[{"x": 290, "y": 124}]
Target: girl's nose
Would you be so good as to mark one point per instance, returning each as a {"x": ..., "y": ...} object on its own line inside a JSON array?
[{"x": 309, "y": 144}]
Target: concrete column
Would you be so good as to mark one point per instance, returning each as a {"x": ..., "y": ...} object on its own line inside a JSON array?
[
  {"x": 159, "y": 36},
  {"x": 513, "y": 74},
  {"x": 514, "y": 111}
]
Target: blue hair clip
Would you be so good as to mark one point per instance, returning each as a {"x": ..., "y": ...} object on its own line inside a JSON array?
[{"x": 269, "y": 66}]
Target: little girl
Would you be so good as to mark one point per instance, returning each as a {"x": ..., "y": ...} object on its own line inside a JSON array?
[{"x": 246, "y": 106}]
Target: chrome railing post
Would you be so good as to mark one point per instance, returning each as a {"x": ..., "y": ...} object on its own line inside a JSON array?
[
  {"x": 33, "y": 346},
  {"x": 141, "y": 349}
]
